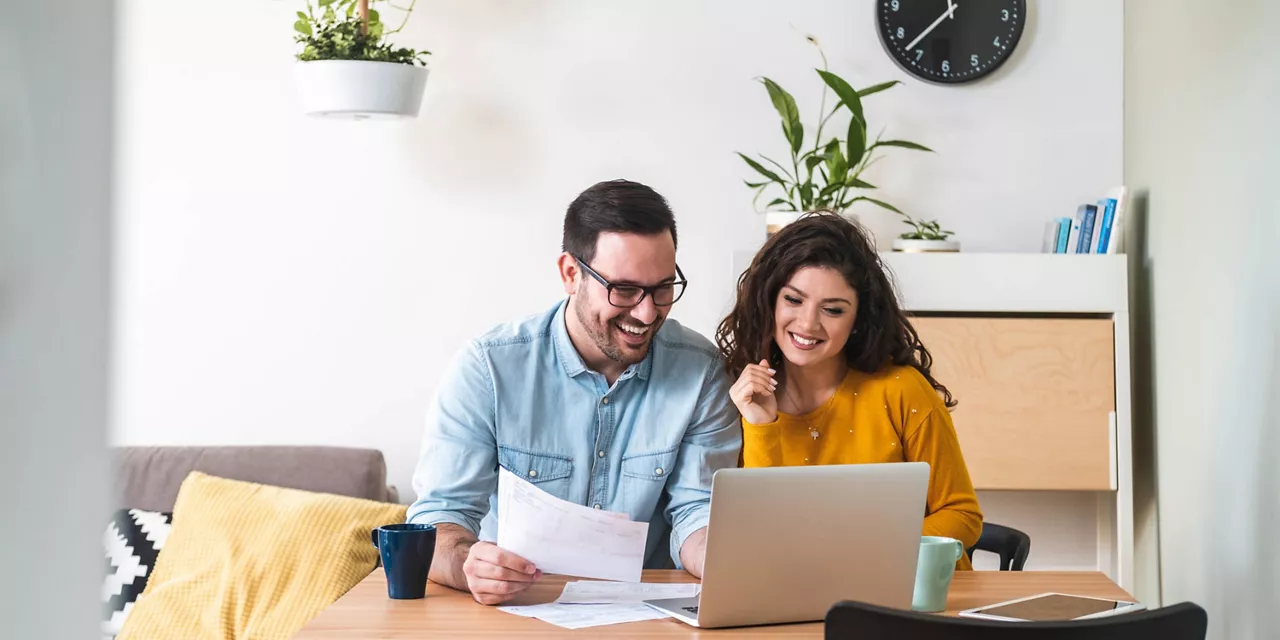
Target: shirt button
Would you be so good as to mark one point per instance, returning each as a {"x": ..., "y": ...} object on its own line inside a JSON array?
[
  {"x": 658, "y": 471},
  {"x": 600, "y": 453},
  {"x": 533, "y": 473},
  {"x": 595, "y": 506},
  {"x": 604, "y": 400}
]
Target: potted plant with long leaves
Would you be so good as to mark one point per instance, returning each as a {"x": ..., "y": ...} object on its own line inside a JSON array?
[
  {"x": 346, "y": 67},
  {"x": 823, "y": 173}
]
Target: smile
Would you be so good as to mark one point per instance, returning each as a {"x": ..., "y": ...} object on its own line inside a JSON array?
[
  {"x": 635, "y": 331},
  {"x": 804, "y": 342},
  {"x": 634, "y": 335}
]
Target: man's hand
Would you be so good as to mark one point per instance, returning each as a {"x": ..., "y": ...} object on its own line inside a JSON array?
[
  {"x": 489, "y": 573},
  {"x": 495, "y": 576},
  {"x": 694, "y": 551}
]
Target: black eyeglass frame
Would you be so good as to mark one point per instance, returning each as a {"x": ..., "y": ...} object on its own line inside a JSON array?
[{"x": 645, "y": 292}]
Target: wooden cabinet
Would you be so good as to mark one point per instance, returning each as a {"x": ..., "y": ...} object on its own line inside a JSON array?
[{"x": 1037, "y": 398}]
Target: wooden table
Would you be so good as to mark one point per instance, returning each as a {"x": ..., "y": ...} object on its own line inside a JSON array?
[{"x": 366, "y": 612}]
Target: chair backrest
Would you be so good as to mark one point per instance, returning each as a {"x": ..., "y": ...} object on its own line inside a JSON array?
[
  {"x": 1012, "y": 545},
  {"x": 855, "y": 620}
]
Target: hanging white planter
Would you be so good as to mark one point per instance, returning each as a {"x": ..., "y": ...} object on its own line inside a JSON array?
[
  {"x": 360, "y": 89},
  {"x": 925, "y": 246}
]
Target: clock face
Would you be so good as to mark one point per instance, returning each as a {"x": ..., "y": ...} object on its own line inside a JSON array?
[{"x": 950, "y": 41}]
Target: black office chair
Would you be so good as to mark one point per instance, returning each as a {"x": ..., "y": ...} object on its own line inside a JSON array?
[
  {"x": 1011, "y": 545},
  {"x": 855, "y": 620}
]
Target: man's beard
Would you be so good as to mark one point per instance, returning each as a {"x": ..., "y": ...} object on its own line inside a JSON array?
[{"x": 607, "y": 342}]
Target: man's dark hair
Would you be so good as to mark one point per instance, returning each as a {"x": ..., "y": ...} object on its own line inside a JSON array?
[{"x": 614, "y": 206}]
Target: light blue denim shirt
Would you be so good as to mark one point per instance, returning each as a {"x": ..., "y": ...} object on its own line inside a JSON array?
[{"x": 521, "y": 397}]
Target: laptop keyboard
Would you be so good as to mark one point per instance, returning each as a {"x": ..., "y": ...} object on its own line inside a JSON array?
[{"x": 693, "y": 609}]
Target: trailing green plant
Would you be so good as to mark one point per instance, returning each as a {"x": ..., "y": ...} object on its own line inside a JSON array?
[
  {"x": 827, "y": 172},
  {"x": 336, "y": 30},
  {"x": 924, "y": 230}
]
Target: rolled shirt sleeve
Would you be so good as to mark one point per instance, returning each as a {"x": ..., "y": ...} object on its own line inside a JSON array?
[
  {"x": 712, "y": 441},
  {"x": 457, "y": 466}
]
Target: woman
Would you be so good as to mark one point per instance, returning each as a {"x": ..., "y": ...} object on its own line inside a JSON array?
[{"x": 829, "y": 370}]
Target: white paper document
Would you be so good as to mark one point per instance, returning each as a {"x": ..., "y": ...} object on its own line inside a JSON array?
[
  {"x": 581, "y": 616},
  {"x": 592, "y": 604},
  {"x": 619, "y": 592},
  {"x": 558, "y": 536}
]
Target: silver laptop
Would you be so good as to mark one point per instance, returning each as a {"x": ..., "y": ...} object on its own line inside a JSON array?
[{"x": 786, "y": 543}]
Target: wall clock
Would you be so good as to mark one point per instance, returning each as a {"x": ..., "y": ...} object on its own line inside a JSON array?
[{"x": 950, "y": 41}]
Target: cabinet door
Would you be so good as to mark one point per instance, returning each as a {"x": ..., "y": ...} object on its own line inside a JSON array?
[{"x": 1036, "y": 398}]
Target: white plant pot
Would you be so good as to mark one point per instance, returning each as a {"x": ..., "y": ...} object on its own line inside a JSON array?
[
  {"x": 925, "y": 246},
  {"x": 774, "y": 221},
  {"x": 359, "y": 89}
]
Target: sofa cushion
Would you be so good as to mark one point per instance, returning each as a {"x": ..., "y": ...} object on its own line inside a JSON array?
[
  {"x": 131, "y": 543},
  {"x": 148, "y": 477},
  {"x": 246, "y": 560}
]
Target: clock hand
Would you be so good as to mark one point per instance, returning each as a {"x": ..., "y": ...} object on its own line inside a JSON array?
[{"x": 950, "y": 13}]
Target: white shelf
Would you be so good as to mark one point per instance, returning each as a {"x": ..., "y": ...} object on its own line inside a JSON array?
[
  {"x": 1011, "y": 282},
  {"x": 1003, "y": 282}
]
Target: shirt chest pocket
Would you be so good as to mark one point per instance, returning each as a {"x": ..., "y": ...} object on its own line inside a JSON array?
[
  {"x": 654, "y": 466},
  {"x": 643, "y": 478},
  {"x": 537, "y": 467}
]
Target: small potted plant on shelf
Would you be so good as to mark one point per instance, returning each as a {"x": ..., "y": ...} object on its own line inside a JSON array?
[
  {"x": 823, "y": 172},
  {"x": 347, "y": 69},
  {"x": 925, "y": 236}
]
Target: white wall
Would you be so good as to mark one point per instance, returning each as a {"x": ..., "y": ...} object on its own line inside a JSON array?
[
  {"x": 55, "y": 231},
  {"x": 285, "y": 280},
  {"x": 1203, "y": 145}
]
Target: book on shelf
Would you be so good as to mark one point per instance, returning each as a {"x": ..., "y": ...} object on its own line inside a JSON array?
[{"x": 1094, "y": 228}]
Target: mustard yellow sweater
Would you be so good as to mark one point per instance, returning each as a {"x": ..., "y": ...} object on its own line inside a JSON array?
[{"x": 889, "y": 416}]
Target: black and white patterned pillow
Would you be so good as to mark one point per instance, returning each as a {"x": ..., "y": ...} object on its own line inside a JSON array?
[{"x": 132, "y": 541}]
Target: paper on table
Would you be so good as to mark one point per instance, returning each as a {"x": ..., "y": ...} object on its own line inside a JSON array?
[
  {"x": 558, "y": 536},
  {"x": 610, "y": 592},
  {"x": 525, "y": 610},
  {"x": 581, "y": 616}
]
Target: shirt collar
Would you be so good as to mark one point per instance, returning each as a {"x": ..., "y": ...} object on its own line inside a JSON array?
[
  {"x": 645, "y": 366},
  {"x": 569, "y": 357},
  {"x": 572, "y": 361}
]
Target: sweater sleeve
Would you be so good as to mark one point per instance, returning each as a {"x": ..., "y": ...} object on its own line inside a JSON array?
[
  {"x": 762, "y": 444},
  {"x": 952, "y": 504}
]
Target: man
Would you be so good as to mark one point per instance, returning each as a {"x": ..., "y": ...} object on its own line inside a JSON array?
[{"x": 600, "y": 400}]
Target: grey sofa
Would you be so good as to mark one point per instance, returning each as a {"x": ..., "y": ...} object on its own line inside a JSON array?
[{"x": 148, "y": 477}]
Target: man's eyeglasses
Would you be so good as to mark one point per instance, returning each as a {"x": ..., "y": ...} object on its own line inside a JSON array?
[{"x": 630, "y": 295}]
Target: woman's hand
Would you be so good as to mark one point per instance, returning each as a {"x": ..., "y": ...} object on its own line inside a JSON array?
[{"x": 753, "y": 394}]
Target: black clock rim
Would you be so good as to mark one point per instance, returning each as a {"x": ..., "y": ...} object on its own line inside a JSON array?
[{"x": 1013, "y": 46}]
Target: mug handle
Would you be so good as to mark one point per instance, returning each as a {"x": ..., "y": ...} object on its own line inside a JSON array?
[
  {"x": 374, "y": 534},
  {"x": 959, "y": 550}
]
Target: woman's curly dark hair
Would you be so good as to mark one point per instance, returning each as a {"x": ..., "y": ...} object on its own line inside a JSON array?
[{"x": 883, "y": 335}]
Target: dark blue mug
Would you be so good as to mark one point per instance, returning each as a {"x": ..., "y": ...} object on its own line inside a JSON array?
[{"x": 406, "y": 551}]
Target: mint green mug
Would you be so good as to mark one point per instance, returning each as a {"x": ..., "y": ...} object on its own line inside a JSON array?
[{"x": 936, "y": 565}]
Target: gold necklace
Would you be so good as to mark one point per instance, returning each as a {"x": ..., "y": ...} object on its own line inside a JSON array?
[{"x": 813, "y": 431}]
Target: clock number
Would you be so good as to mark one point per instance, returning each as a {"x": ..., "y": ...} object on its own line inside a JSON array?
[
  {"x": 946, "y": 66},
  {"x": 996, "y": 42},
  {"x": 901, "y": 33},
  {"x": 894, "y": 4},
  {"x": 973, "y": 59},
  {"x": 1005, "y": 12},
  {"x": 919, "y": 53}
]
